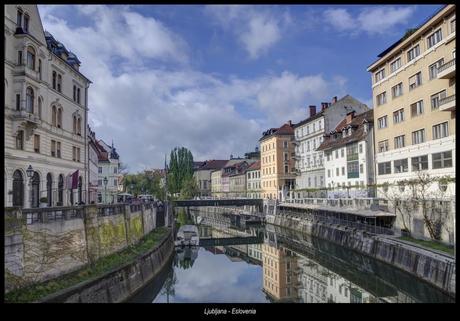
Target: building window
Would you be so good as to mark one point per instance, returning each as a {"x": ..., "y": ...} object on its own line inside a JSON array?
[
  {"x": 398, "y": 116},
  {"x": 413, "y": 53},
  {"x": 382, "y": 98},
  {"x": 401, "y": 165},
  {"x": 397, "y": 90},
  {"x": 418, "y": 137},
  {"x": 114, "y": 182},
  {"x": 37, "y": 143},
  {"x": 383, "y": 146},
  {"x": 31, "y": 58},
  {"x": 434, "y": 38},
  {"x": 395, "y": 65},
  {"x": 440, "y": 130},
  {"x": 26, "y": 23},
  {"x": 328, "y": 173},
  {"x": 360, "y": 148},
  {"x": 53, "y": 116},
  {"x": 382, "y": 122},
  {"x": 20, "y": 140},
  {"x": 19, "y": 19},
  {"x": 19, "y": 58},
  {"x": 379, "y": 75},
  {"x": 285, "y": 169},
  {"x": 442, "y": 160},
  {"x": 433, "y": 69},
  {"x": 59, "y": 117},
  {"x": 352, "y": 169},
  {"x": 78, "y": 95},
  {"x": 18, "y": 102},
  {"x": 399, "y": 141},
  {"x": 114, "y": 170},
  {"x": 54, "y": 80},
  {"x": 416, "y": 109},
  {"x": 384, "y": 168},
  {"x": 40, "y": 107},
  {"x": 436, "y": 98},
  {"x": 342, "y": 153},
  {"x": 59, "y": 83},
  {"x": 53, "y": 148},
  {"x": 415, "y": 81},
  {"x": 343, "y": 171},
  {"x": 419, "y": 163},
  {"x": 285, "y": 144},
  {"x": 74, "y": 93},
  {"x": 74, "y": 153},
  {"x": 99, "y": 182},
  {"x": 361, "y": 168},
  {"x": 99, "y": 170},
  {"x": 30, "y": 100},
  {"x": 40, "y": 69},
  {"x": 285, "y": 157},
  {"x": 336, "y": 153},
  {"x": 452, "y": 25},
  {"x": 58, "y": 149}
]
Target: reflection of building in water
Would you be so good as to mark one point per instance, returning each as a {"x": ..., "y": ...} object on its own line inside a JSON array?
[
  {"x": 185, "y": 257},
  {"x": 255, "y": 251},
  {"x": 279, "y": 268}
]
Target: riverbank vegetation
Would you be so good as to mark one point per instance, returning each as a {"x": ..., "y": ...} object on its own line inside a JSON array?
[
  {"x": 430, "y": 244},
  {"x": 106, "y": 264}
]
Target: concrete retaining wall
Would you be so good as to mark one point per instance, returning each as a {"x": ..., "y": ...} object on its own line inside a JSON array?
[
  {"x": 437, "y": 270},
  {"x": 120, "y": 284},
  {"x": 46, "y": 248}
]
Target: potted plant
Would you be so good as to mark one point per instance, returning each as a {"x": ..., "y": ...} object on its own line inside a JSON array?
[{"x": 43, "y": 202}]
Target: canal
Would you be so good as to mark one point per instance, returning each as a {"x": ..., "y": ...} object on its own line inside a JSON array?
[{"x": 280, "y": 266}]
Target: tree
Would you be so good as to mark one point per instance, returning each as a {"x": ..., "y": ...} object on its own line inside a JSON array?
[
  {"x": 180, "y": 169},
  {"x": 189, "y": 189},
  {"x": 168, "y": 287}
]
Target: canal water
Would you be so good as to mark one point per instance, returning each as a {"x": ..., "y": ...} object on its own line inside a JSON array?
[{"x": 264, "y": 263}]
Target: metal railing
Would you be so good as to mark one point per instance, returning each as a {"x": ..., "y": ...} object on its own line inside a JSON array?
[
  {"x": 136, "y": 207},
  {"x": 49, "y": 214},
  {"x": 109, "y": 210},
  {"x": 446, "y": 65}
]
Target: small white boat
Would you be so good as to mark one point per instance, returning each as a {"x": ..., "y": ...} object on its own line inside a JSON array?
[{"x": 187, "y": 235}]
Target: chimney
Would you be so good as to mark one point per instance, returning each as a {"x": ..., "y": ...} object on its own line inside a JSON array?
[
  {"x": 334, "y": 99},
  {"x": 350, "y": 116},
  {"x": 312, "y": 110},
  {"x": 323, "y": 106},
  {"x": 290, "y": 123}
]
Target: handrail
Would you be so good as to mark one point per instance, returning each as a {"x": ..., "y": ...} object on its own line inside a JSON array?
[{"x": 446, "y": 65}]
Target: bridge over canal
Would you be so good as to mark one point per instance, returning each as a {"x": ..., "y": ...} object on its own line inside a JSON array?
[{"x": 258, "y": 202}]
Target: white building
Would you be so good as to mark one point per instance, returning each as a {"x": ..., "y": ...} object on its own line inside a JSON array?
[
  {"x": 253, "y": 180},
  {"x": 349, "y": 157},
  {"x": 108, "y": 173},
  {"x": 309, "y": 136},
  {"x": 45, "y": 114}
]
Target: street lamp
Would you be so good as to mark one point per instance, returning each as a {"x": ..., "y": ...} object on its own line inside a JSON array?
[
  {"x": 105, "y": 184},
  {"x": 131, "y": 187},
  {"x": 30, "y": 171}
]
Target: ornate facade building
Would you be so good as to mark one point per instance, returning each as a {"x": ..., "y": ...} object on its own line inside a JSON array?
[{"x": 45, "y": 115}]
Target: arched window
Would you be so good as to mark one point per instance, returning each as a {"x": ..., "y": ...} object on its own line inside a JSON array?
[
  {"x": 53, "y": 116},
  {"x": 74, "y": 124},
  {"x": 54, "y": 79},
  {"x": 40, "y": 69},
  {"x": 31, "y": 58},
  {"x": 78, "y": 95},
  {"x": 49, "y": 189},
  {"x": 79, "y": 126},
  {"x": 19, "y": 19},
  {"x": 18, "y": 189},
  {"x": 60, "y": 191},
  {"x": 59, "y": 83},
  {"x": 40, "y": 103},
  {"x": 59, "y": 118},
  {"x": 74, "y": 93},
  {"x": 30, "y": 100},
  {"x": 35, "y": 190},
  {"x": 26, "y": 23}
]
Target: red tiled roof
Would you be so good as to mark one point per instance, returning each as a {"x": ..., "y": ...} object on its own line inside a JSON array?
[
  {"x": 286, "y": 129},
  {"x": 213, "y": 164},
  {"x": 254, "y": 166}
]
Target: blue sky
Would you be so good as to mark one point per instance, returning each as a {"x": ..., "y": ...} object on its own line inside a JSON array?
[{"x": 212, "y": 78}]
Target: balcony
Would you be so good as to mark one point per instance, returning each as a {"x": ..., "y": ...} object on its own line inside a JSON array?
[
  {"x": 23, "y": 119},
  {"x": 447, "y": 104},
  {"x": 352, "y": 157},
  {"x": 447, "y": 70},
  {"x": 23, "y": 70}
]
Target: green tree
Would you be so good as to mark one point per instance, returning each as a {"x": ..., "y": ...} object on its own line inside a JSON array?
[
  {"x": 189, "y": 189},
  {"x": 180, "y": 169}
]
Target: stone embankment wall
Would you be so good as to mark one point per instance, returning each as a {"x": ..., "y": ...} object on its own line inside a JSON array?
[
  {"x": 437, "y": 270},
  {"x": 44, "y": 243},
  {"x": 122, "y": 283}
]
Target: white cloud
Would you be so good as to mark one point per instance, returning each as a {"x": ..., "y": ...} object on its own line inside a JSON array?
[
  {"x": 255, "y": 27},
  {"x": 340, "y": 19},
  {"x": 147, "y": 112},
  {"x": 375, "y": 20}
]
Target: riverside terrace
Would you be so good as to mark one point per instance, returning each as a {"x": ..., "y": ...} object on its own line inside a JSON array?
[{"x": 363, "y": 214}]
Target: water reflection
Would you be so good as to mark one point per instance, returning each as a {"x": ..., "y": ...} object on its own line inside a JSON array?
[{"x": 285, "y": 266}]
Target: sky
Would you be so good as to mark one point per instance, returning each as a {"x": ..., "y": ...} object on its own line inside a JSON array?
[{"x": 213, "y": 78}]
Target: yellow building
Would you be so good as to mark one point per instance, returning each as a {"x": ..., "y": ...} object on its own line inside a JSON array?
[
  {"x": 278, "y": 265},
  {"x": 277, "y": 168},
  {"x": 413, "y": 88}
]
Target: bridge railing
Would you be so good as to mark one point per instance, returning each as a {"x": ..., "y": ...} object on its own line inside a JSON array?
[
  {"x": 49, "y": 214},
  {"x": 365, "y": 203}
]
